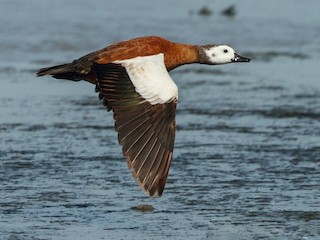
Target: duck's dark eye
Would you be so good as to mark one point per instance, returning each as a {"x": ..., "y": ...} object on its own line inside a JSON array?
[
  {"x": 213, "y": 55},
  {"x": 225, "y": 51}
]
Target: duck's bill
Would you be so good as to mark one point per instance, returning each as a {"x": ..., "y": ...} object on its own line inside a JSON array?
[{"x": 238, "y": 58}]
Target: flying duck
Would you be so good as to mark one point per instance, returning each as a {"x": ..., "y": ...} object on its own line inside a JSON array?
[{"x": 133, "y": 81}]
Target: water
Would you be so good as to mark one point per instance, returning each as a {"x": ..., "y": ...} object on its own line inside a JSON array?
[{"x": 247, "y": 153}]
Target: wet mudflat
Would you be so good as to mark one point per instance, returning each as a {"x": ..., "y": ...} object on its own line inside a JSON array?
[{"x": 247, "y": 155}]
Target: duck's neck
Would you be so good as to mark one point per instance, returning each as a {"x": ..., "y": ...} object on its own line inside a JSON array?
[{"x": 180, "y": 54}]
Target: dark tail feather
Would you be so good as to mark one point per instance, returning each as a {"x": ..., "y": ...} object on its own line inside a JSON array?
[{"x": 64, "y": 71}]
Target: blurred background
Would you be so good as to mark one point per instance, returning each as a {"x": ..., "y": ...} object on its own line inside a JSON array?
[{"x": 247, "y": 153}]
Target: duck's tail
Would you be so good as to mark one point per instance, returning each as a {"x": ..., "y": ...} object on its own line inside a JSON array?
[{"x": 64, "y": 71}]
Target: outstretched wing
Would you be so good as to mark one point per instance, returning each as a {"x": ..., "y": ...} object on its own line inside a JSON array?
[{"x": 143, "y": 99}]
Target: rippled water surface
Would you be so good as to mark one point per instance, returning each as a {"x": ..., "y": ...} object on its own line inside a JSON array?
[{"x": 247, "y": 153}]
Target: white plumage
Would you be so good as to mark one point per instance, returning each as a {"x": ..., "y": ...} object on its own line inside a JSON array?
[{"x": 150, "y": 78}]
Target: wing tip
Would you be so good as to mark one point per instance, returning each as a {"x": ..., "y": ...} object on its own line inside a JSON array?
[
  {"x": 151, "y": 190},
  {"x": 157, "y": 186}
]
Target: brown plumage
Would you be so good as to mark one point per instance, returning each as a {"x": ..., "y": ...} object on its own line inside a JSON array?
[{"x": 145, "y": 125}]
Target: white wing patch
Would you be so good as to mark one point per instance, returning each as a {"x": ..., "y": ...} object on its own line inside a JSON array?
[{"x": 150, "y": 78}]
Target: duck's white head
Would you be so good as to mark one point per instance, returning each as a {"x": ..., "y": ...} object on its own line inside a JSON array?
[{"x": 219, "y": 54}]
